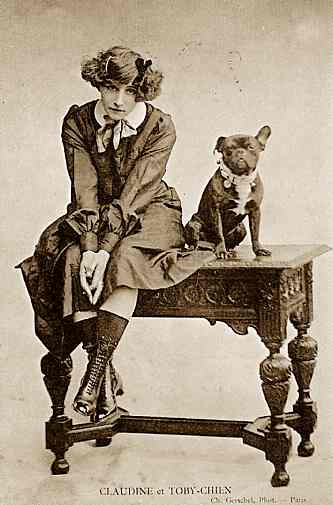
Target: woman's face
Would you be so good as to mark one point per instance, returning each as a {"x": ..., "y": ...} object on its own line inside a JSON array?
[{"x": 118, "y": 99}]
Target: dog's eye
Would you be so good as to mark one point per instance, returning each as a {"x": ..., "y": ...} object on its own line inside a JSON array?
[{"x": 251, "y": 147}]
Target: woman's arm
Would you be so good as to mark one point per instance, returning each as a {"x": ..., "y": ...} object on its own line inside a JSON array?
[
  {"x": 142, "y": 183},
  {"x": 85, "y": 219},
  {"x": 83, "y": 181}
]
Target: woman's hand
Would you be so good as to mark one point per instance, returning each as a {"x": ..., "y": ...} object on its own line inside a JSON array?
[{"x": 92, "y": 269}]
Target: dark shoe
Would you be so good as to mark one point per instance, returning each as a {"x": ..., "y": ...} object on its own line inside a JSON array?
[
  {"x": 85, "y": 402},
  {"x": 106, "y": 403},
  {"x": 112, "y": 385},
  {"x": 116, "y": 381}
]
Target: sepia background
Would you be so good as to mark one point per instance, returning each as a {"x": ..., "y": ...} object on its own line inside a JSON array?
[{"x": 230, "y": 67}]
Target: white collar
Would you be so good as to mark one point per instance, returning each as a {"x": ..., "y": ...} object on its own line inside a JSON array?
[
  {"x": 134, "y": 118},
  {"x": 236, "y": 180}
]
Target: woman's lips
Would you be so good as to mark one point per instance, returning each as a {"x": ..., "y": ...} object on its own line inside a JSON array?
[{"x": 116, "y": 110}]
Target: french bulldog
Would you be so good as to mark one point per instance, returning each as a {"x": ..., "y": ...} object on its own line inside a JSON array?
[{"x": 234, "y": 191}]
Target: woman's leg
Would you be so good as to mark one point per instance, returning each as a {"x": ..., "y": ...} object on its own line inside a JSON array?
[
  {"x": 112, "y": 319},
  {"x": 84, "y": 330},
  {"x": 122, "y": 302},
  {"x": 83, "y": 315}
]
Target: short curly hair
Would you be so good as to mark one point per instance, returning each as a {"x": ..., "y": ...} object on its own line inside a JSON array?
[{"x": 125, "y": 66}]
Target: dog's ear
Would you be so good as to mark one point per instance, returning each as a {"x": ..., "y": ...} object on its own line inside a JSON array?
[
  {"x": 219, "y": 142},
  {"x": 263, "y": 135}
]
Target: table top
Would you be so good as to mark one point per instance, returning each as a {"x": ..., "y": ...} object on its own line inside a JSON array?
[{"x": 283, "y": 256}]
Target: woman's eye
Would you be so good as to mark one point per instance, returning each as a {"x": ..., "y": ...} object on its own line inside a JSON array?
[{"x": 131, "y": 91}]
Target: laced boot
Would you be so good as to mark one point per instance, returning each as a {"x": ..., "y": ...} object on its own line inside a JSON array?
[
  {"x": 109, "y": 329},
  {"x": 112, "y": 382},
  {"x": 106, "y": 402},
  {"x": 85, "y": 401},
  {"x": 116, "y": 381}
]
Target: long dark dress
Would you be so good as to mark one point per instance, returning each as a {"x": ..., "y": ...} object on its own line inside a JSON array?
[{"x": 119, "y": 203}]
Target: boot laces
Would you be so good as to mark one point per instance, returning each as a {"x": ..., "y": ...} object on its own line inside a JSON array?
[
  {"x": 98, "y": 363},
  {"x": 95, "y": 373}
]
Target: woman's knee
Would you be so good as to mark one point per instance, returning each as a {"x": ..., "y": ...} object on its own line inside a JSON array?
[
  {"x": 122, "y": 301},
  {"x": 50, "y": 240}
]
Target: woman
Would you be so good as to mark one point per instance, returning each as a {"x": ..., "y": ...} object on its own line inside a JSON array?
[{"x": 123, "y": 228}]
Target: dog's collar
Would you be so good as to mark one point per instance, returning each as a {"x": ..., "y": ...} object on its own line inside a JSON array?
[{"x": 235, "y": 180}]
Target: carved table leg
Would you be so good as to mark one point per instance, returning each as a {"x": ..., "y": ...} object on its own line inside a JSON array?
[
  {"x": 57, "y": 378},
  {"x": 275, "y": 372},
  {"x": 303, "y": 351}
]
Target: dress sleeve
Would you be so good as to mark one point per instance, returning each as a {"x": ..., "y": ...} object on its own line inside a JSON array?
[
  {"x": 85, "y": 219},
  {"x": 142, "y": 184}
]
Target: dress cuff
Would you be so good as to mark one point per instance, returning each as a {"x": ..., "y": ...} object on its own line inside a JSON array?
[
  {"x": 84, "y": 223},
  {"x": 108, "y": 242},
  {"x": 83, "y": 220},
  {"x": 88, "y": 241}
]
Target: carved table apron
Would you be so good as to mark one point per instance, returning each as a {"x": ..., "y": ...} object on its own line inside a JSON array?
[{"x": 259, "y": 292}]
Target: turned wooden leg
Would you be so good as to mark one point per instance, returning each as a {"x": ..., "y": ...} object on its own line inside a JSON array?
[
  {"x": 56, "y": 373},
  {"x": 303, "y": 351},
  {"x": 275, "y": 372}
]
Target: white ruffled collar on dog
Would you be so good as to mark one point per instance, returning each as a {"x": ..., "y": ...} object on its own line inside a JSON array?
[{"x": 232, "y": 179}]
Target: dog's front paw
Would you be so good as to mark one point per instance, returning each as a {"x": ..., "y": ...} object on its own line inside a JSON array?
[
  {"x": 232, "y": 253},
  {"x": 262, "y": 252},
  {"x": 222, "y": 253}
]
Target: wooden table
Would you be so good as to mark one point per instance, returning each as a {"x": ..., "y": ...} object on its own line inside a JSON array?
[{"x": 259, "y": 292}]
